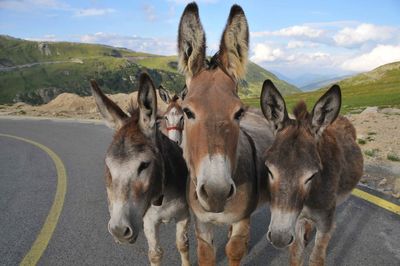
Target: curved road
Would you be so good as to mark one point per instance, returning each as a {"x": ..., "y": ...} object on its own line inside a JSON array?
[{"x": 365, "y": 234}]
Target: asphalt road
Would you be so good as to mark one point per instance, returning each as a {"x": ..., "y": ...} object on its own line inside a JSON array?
[{"x": 365, "y": 235}]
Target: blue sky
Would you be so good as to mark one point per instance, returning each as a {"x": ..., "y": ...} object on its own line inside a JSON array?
[{"x": 290, "y": 37}]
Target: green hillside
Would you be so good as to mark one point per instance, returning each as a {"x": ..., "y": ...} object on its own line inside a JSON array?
[
  {"x": 36, "y": 72},
  {"x": 379, "y": 87}
]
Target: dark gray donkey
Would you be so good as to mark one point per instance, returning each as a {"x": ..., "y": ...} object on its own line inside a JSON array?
[{"x": 314, "y": 163}]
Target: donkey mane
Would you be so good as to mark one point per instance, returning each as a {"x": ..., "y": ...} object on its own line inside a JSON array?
[
  {"x": 214, "y": 62},
  {"x": 134, "y": 112},
  {"x": 175, "y": 98},
  {"x": 300, "y": 111}
]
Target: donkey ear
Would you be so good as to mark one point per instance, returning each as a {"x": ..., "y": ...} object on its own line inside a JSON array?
[
  {"x": 111, "y": 113},
  {"x": 234, "y": 45},
  {"x": 164, "y": 95},
  {"x": 273, "y": 105},
  {"x": 191, "y": 42},
  {"x": 326, "y": 109},
  {"x": 147, "y": 100},
  {"x": 183, "y": 93}
]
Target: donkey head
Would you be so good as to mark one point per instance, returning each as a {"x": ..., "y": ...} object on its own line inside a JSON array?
[
  {"x": 133, "y": 170},
  {"x": 173, "y": 116},
  {"x": 212, "y": 107},
  {"x": 293, "y": 160}
]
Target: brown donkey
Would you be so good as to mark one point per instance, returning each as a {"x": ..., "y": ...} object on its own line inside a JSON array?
[
  {"x": 314, "y": 163},
  {"x": 221, "y": 145},
  {"x": 172, "y": 120},
  {"x": 145, "y": 174}
]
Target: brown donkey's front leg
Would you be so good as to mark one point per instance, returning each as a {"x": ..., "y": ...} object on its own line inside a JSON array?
[
  {"x": 325, "y": 224},
  {"x": 238, "y": 242},
  {"x": 318, "y": 254},
  {"x": 205, "y": 245},
  {"x": 182, "y": 240}
]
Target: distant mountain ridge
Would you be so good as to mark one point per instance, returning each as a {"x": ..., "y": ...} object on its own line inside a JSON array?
[
  {"x": 323, "y": 83},
  {"x": 36, "y": 72}
]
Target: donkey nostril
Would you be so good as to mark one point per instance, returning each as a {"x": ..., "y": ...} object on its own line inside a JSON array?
[
  {"x": 291, "y": 240},
  {"x": 231, "y": 192},
  {"x": 127, "y": 232},
  {"x": 203, "y": 191},
  {"x": 269, "y": 236}
]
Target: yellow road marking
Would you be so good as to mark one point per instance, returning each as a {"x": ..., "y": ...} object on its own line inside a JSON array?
[
  {"x": 376, "y": 200},
  {"x": 45, "y": 234}
]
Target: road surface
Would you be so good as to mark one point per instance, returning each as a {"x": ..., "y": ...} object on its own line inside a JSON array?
[{"x": 366, "y": 234}]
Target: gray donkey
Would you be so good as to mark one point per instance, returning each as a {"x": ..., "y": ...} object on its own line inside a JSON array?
[{"x": 145, "y": 174}]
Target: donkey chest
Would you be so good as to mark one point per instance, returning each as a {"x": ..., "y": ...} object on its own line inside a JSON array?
[
  {"x": 169, "y": 210},
  {"x": 218, "y": 218}
]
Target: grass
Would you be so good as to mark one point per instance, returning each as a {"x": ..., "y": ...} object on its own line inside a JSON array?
[
  {"x": 361, "y": 141},
  {"x": 371, "y": 153},
  {"x": 393, "y": 157},
  {"x": 166, "y": 63}
]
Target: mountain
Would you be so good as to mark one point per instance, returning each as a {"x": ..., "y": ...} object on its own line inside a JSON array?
[
  {"x": 322, "y": 83},
  {"x": 379, "y": 87},
  {"x": 36, "y": 72}
]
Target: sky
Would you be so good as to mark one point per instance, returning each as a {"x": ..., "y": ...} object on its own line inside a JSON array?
[{"x": 292, "y": 38}]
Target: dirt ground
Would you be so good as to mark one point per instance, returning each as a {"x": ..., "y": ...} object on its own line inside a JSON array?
[
  {"x": 378, "y": 133},
  {"x": 69, "y": 105}
]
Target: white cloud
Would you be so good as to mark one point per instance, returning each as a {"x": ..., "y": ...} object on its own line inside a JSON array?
[
  {"x": 265, "y": 53},
  {"x": 362, "y": 33},
  {"x": 29, "y": 5},
  {"x": 294, "y": 31},
  {"x": 382, "y": 54},
  {"x": 137, "y": 43},
  {"x": 88, "y": 12},
  {"x": 300, "y": 44},
  {"x": 295, "y": 44}
]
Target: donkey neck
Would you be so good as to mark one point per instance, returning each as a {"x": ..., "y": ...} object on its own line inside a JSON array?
[{"x": 174, "y": 167}]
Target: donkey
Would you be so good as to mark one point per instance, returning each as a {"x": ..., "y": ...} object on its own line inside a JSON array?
[
  {"x": 145, "y": 174},
  {"x": 172, "y": 122},
  {"x": 222, "y": 150},
  {"x": 314, "y": 163}
]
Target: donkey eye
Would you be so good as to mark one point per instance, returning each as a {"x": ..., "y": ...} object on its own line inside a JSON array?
[
  {"x": 310, "y": 178},
  {"x": 143, "y": 166},
  {"x": 239, "y": 114},
  {"x": 189, "y": 114}
]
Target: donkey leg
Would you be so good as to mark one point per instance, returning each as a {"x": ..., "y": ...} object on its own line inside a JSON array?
[
  {"x": 304, "y": 230},
  {"x": 318, "y": 254},
  {"x": 151, "y": 230},
  {"x": 182, "y": 240},
  {"x": 238, "y": 242},
  {"x": 205, "y": 243}
]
